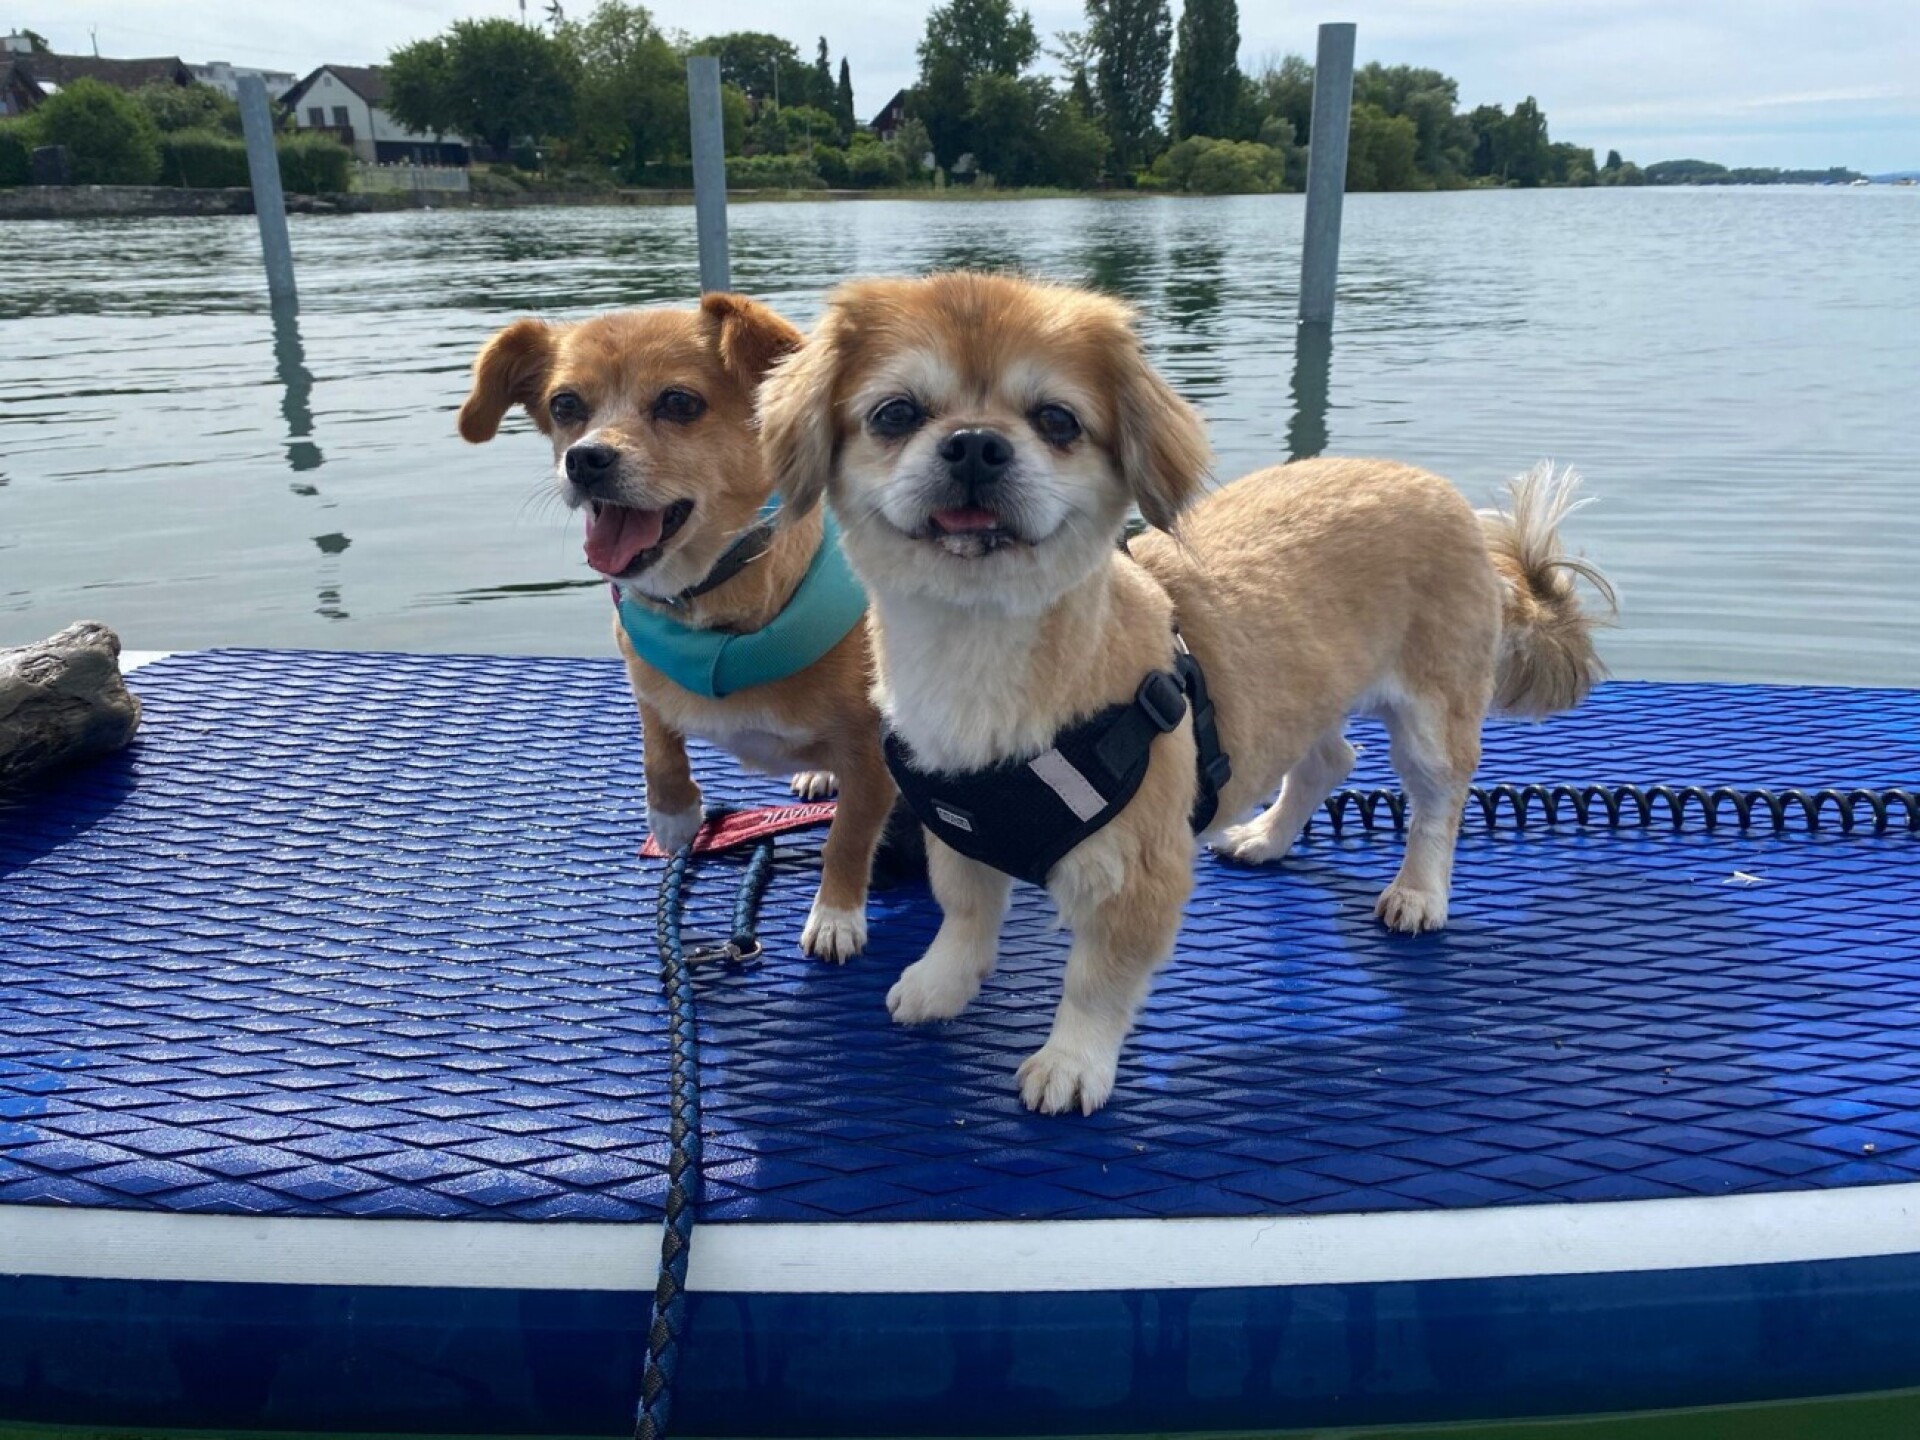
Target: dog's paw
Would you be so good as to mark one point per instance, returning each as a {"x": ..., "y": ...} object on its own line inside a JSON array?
[
  {"x": 1410, "y": 911},
  {"x": 674, "y": 828},
  {"x": 1057, "y": 1078},
  {"x": 931, "y": 988},
  {"x": 833, "y": 934},
  {"x": 1248, "y": 844},
  {"x": 814, "y": 785}
]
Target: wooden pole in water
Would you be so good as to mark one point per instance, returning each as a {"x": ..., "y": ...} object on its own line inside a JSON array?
[
  {"x": 269, "y": 202},
  {"x": 1326, "y": 172},
  {"x": 709, "y": 171}
]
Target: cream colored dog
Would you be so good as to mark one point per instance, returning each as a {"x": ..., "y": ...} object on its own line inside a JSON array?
[{"x": 980, "y": 439}]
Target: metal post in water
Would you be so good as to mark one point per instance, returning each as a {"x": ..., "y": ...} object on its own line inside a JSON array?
[
  {"x": 269, "y": 202},
  {"x": 709, "y": 171},
  {"x": 1326, "y": 172}
]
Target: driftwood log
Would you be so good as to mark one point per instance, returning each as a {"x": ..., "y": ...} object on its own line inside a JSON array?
[{"x": 62, "y": 700}]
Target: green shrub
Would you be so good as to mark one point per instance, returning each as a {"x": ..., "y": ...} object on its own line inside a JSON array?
[
  {"x": 665, "y": 175},
  {"x": 773, "y": 172},
  {"x": 578, "y": 178},
  {"x": 492, "y": 182},
  {"x": 832, "y": 165},
  {"x": 203, "y": 160},
  {"x": 1201, "y": 165},
  {"x": 110, "y": 139},
  {"x": 17, "y": 140},
  {"x": 313, "y": 164},
  {"x": 873, "y": 166},
  {"x": 188, "y": 107}
]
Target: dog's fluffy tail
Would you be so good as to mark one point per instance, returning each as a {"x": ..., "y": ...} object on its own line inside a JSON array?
[{"x": 1547, "y": 659}]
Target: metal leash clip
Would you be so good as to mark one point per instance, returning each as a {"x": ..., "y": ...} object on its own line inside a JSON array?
[{"x": 734, "y": 955}]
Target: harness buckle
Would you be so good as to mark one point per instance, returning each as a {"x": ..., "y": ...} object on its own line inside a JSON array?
[{"x": 1164, "y": 702}]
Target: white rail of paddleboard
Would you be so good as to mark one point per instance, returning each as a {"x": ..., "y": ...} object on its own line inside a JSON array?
[{"x": 975, "y": 1256}]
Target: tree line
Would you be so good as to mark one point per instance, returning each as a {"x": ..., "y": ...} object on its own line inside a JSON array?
[{"x": 1130, "y": 100}]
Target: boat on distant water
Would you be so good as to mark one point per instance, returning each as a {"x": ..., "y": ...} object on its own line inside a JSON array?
[{"x": 1859, "y": 180}]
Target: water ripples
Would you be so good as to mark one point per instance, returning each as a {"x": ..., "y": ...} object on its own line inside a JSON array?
[{"x": 1732, "y": 369}]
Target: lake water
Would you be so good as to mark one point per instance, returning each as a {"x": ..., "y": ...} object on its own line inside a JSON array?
[{"x": 1735, "y": 371}]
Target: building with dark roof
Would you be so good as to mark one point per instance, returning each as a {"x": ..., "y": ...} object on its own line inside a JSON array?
[
  {"x": 51, "y": 72},
  {"x": 347, "y": 102}
]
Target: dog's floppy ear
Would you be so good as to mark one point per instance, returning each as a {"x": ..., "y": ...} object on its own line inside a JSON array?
[
  {"x": 1162, "y": 445},
  {"x": 510, "y": 370},
  {"x": 798, "y": 433},
  {"x": 748, "y": 335}
]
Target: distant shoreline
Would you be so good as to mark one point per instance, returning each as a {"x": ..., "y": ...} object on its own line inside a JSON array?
[{"x": 104, "y": 202}]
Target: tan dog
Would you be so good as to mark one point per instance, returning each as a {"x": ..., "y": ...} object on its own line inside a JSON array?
[
  {"x": 980, "y": 439},
  {"x": 651, "y": 417}
]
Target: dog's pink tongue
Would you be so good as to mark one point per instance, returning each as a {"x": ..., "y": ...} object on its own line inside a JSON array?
[
  {"x": 617, "y": 535},
  {"x": 966, "y": 518}
]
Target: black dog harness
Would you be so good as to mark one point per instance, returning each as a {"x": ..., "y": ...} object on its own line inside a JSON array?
[{"x": 1022, "y": 816}]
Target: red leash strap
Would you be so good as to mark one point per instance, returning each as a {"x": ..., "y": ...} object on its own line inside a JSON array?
[{"x": 736, "y": 828}]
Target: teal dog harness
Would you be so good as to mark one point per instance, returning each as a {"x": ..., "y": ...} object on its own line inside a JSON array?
[{"x": 825, "y": 606}]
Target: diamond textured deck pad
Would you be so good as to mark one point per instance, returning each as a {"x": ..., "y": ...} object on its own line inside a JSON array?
[{"x": 368, "y": 935}]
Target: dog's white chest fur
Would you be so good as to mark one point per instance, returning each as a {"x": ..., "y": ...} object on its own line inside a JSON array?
[
  {"x": 771, "y": 751},
  {"x": 956, "y": 687}
]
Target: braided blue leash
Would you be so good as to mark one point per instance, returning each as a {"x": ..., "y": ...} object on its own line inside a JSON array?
[
  {"x": 683, "y": 1163},
  {"x": 683, "y": 1118}
]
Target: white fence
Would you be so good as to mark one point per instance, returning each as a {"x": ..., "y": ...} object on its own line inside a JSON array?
[{"x": 405, "y": 179}]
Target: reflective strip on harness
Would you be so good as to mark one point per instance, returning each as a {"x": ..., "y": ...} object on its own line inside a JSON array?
[{"x": 1068, "y": 783}]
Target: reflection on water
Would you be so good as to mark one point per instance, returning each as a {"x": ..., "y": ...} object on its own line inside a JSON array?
[
  {"x": 1730, "y": 369},
  {"x": 1312, "y": 371},
  {"x": 290, "y": 362},
  {"x": 520, "y": 592},
  {"x": 1121, "y": 256}
]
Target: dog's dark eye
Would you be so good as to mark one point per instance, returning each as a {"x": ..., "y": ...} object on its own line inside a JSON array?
[
  {"x": 567, "y": 407},
  {"x": 899, "y": 416},
  {"x": 680, "y": 406},
  {"x": 1057, "y": 425}
]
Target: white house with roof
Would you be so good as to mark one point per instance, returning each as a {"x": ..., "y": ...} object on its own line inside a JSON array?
[{"x": 346, "y": 101}]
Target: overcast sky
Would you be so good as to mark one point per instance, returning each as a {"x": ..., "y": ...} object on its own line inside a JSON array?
[{"x": 1744, "y": 82}]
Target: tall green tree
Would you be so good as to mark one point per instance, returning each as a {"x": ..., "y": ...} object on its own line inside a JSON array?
[
  {"x": 417, "y": 90},
  {"x": 964, "y": 40},
  {"x": 1382, "y": 150},
  {"x": 1207, "y": 91},
  {"x": 1027, "y": 132},
  {"x": 843, "y": 100},
  {"x": 1076, "y": 55},
  {"x": 632, "y": 105},
  {"x": 493, "y": 81},
  {"x": 1285, "y": 92},
  {"x": 764, "y": 67},
  {"x": 820, "y": 79},
  {"x": 1131, "y": 40},
  {"x": 1526, "y": 155},
  {"x": 1428, "y": 98}
]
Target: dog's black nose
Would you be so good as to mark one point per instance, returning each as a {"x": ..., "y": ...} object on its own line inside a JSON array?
[
  {"x": 590, "y": 465},
  {"x": 976, "y": 457}
]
